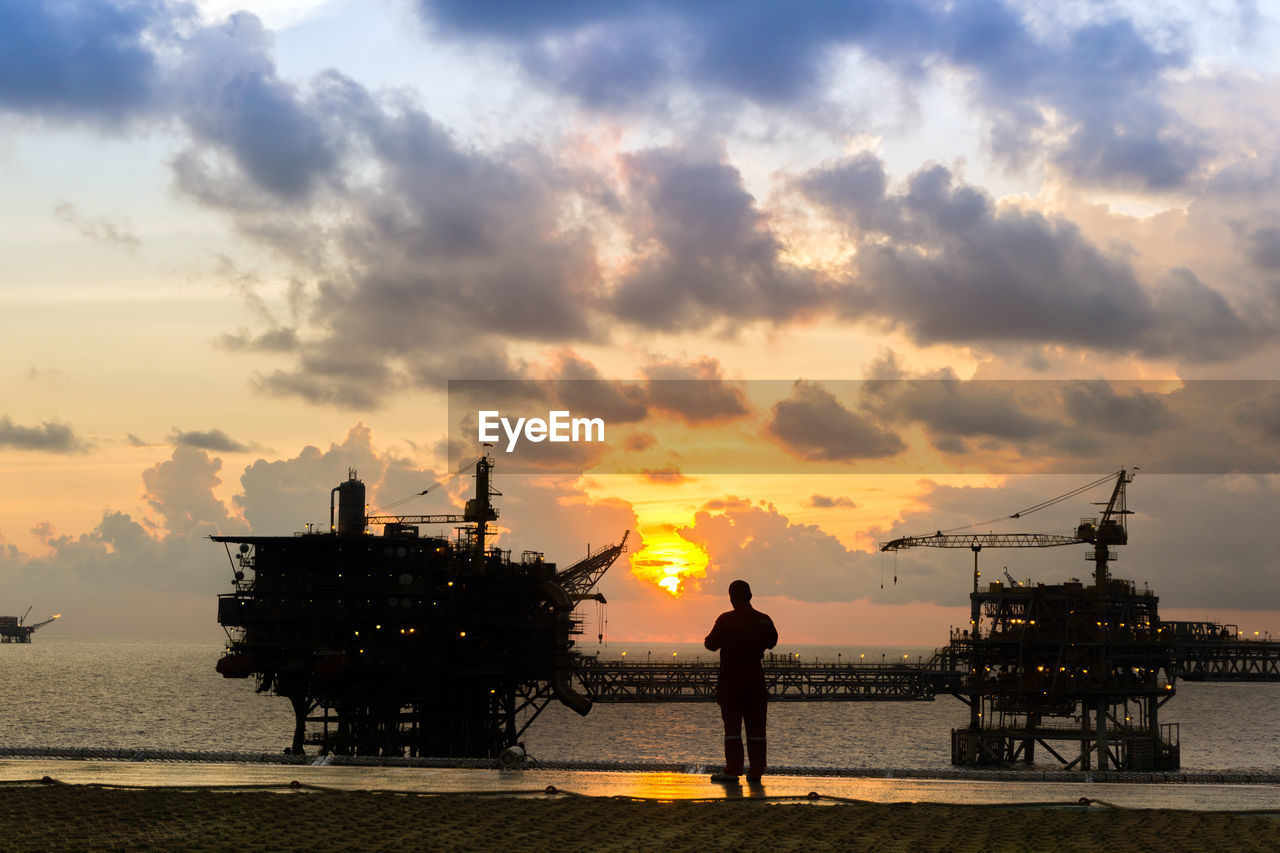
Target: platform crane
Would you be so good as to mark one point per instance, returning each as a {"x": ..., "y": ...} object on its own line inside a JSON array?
[{"x": 1101, "y": 533}]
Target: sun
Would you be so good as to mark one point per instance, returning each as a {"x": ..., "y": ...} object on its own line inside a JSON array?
[{"x": 669, "y": 560}]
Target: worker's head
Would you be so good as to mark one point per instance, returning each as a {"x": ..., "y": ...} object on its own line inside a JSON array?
[{"x": 739, "y": 592}]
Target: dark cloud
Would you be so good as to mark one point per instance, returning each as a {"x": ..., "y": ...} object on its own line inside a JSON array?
[
  {"x": 830, "y": 502},
  {"x": 666, "y": 476},
  {"x": 1106, "y": 80},
  {"x": 637, "y": 442},
  {"x": 212, "y": 439},
  {"x": 234, "y": 102},
  {"x": 606, "y": 67},
  {"x": 441, "y": 259},
  {"x": 942, "y": 261},
  {"x": 419, "y": 258},
  {"x": 1102, "y": 79},
  {"x": 812, "y": 424},
  {"x": 1097, "y": 404},
  {"x": 1264, "y": 249},
  {"x": 92, "y": 59},
  {"x": 581, "y": 389},
  {"x": 1262, "y": 413},
  {"x": 706, "y": 252},
  {"x": 950, "y": 409},
  {"x": 49, "y": 437},
  {"x": 695, "y": 392}
]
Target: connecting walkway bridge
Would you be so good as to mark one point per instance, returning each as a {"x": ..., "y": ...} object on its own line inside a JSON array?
[{"x": 1208, "y": 657}]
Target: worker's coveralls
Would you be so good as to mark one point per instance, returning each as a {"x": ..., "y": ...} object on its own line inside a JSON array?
[{"x": 741, "y": 635}]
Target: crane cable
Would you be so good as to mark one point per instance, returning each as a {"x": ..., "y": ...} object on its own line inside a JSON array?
[
  {"x": 430, "y": 488},
  {"x": 1037, "y": 507}
]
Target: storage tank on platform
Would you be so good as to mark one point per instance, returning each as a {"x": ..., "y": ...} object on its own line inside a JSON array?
[{"x": 350, "y": 507}]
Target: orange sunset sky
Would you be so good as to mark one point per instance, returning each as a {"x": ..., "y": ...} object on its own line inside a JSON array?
[{"x": 247, "y": 246}]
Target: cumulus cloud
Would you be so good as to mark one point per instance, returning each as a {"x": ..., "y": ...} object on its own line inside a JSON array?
[
  {"x": 49, "y": 437},
  {"x": 776, "y": 556},
  {"x": 110, "y": 574},
  {"x": 181, "y": 492},
  {"x": 131, "y": 570},
  {"x": 281, "y": 496}
]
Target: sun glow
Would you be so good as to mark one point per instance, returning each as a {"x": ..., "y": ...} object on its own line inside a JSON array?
[{"x": 669, "y": 560}]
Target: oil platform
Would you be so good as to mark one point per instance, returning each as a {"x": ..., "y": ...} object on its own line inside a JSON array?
[
  {"x": 402, "y": 644},
  {"x": 1088, "y": 664},
  {"x": 14, "y": 629}
]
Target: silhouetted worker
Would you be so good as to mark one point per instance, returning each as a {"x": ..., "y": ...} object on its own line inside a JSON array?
[{"x": 741, "y": 635}]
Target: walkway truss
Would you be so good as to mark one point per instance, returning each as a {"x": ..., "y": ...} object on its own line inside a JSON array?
[{"x": 1059, "y": 668}]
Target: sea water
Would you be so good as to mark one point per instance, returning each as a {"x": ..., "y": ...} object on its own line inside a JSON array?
[{"x": 149, "y": 694}]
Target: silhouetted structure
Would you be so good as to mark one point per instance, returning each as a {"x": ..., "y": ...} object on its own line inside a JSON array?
[
  {"x": 400, "y": 644},
  {"x": 13, "y": 629}
]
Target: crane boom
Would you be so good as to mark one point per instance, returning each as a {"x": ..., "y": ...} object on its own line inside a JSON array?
[
  {"x": 981, "y": 540},
  {"x": 579, "y": 579},
  {"x": 1110, "y": 530},
  {"x": 438, "y": 518}
]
